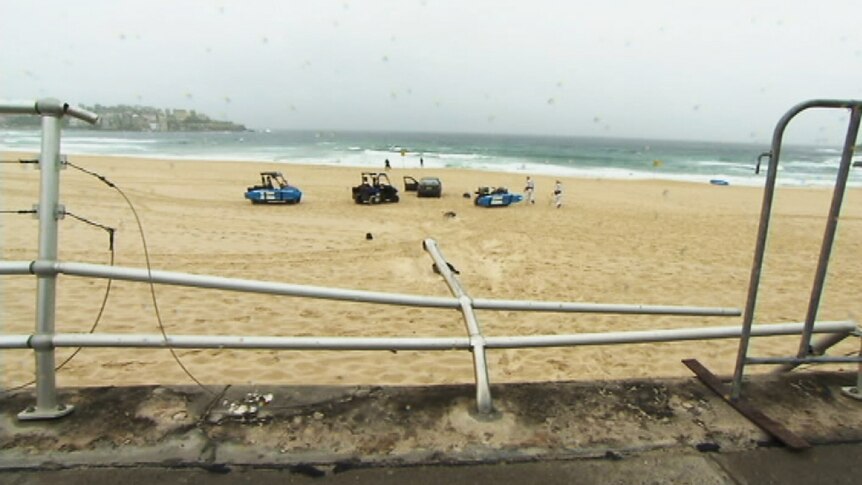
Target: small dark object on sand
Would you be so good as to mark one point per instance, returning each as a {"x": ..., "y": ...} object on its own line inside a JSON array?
[
  {"x": 449, "y": 214},
  {"x": 708, "y": 447},
  {"x": 613, "y": 455},
  {"x": 368, "y": 236},
  {"x": 466, "y": 195}
]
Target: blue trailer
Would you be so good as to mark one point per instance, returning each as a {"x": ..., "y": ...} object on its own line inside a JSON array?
[{"x": 496, "y": 197}]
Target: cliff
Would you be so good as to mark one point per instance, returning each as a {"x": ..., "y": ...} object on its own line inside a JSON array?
[{"x": 134, "y": 118}]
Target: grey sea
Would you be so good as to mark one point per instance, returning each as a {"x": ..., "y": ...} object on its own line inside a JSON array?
[{"x": 560, "y": 156}]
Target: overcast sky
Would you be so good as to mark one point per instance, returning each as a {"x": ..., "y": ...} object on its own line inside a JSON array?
[{"x": 645, "y": 69}]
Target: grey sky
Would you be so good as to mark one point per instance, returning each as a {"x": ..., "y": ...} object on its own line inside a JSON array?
[{"x": 648, "y": 69}]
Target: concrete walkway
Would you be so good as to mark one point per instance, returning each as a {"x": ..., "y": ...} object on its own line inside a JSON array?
[
  {"x": 636, "y": 431},
  {"x": 832, "y": 464}
]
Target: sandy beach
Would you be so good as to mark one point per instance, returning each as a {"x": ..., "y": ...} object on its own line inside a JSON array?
[{"x": 638, "y": 242}]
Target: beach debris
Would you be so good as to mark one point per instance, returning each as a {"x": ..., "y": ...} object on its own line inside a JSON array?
[
  {"x": 449, "y": 215},
  {"x": 369, "y": 236},
  {"x": 613, "y": 455},
  {"x": 466, "y": 195},
  {"x": 707, "y": 447},
  {"x": 247, "y": 409}
]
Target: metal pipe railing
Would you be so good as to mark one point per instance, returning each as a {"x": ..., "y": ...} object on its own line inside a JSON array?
[
  {"x": 829, "y": 231},
  {"x": 763, "y": 228},
  {"x": 663, "y": 335},
  {"x": 841, "y": 359},
  {"x": 605, "y": 308},
  {"x": 47, "y": 107},
  {"x": 221, "y": 283},
  {"x": 818, "y": 347},
  {"x": 46, "y": 284},
  {"x": 232, "y": 342},
  {"x": 49, "y": 209},
  {"x": 237, "y": 284},
  {"x": 842, "y": 328},
  {"x": 474, "y": 331}
]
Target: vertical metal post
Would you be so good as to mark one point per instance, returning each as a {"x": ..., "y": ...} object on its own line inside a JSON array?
[
  {"x": 759, "y": 251},
  {"x": 856, "y": 392},
  {"x": 829, "y": 233},
  {"x": 47, "y": 406}
]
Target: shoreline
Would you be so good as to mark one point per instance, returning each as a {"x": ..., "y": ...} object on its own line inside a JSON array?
[{"x": 614, "y": 241}]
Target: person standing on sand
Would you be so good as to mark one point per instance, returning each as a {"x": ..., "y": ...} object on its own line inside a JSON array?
[
  {"x": 421, "y": 163},
  {"x": 558, "y": 194},
  {"x": 530, "y": 190},
  {"x": 387, "y": 165}
]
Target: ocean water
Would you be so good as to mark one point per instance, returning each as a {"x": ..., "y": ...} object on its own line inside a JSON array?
[{"x": 533, "y": 155}]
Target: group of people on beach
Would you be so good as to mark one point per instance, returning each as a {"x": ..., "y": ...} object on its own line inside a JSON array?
[
  {"x": 530, "y": 192},
  {"x": 388, "y": 165},
  {"x": 529, "y": 189}
]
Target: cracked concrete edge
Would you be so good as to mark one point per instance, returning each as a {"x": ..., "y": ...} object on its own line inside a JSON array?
[{"x": 189, "y": 448}]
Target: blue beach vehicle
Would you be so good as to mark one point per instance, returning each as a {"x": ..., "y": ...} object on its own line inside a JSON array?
[
  {"x": 273, "y": 189},
  {"x": 496, "y": 197}
]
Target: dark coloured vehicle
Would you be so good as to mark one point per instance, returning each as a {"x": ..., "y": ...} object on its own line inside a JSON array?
[
  {"x": 430, "y": 187},
  {"x": 425, "y": 187},
  {"x": 374, "y": 189}
]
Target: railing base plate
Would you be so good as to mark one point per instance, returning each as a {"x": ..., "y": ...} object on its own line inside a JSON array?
[
  {"x": 852, "y": 392},
  {"x": 36, "y": 414}
]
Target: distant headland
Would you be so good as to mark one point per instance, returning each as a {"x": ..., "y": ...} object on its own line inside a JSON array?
[{"x": 134, "y": 118}]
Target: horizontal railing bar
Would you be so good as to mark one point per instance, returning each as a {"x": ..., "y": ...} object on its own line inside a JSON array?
[
  {"x": 399, "y": 343},
  {"x": 49, "y": 107},
  {"x": 253, "y": 286},
  {"x": 15, "y": 267},
  {"x": 665, "y": 335},
  {"x": 15, "y": 107},
  {"x": 551, "y": 306},
  {"x": 215, "y": 282},
  {"x": 236, "y": 342},
  {"x": 804, "y": 360}
]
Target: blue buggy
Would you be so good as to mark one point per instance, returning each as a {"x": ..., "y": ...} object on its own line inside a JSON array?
[{"x": 273, "y": 189}]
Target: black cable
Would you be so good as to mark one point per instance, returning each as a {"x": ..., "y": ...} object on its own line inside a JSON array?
[
  {"x": 149, "y": 273},
  {"x": 21, "y": 160},
  {"x": 92, "y": 328},
  {"x": 110, "y": 230},
  {"x": 28, "y": 211}
]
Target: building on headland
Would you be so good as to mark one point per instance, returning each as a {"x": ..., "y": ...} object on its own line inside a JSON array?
[{"x": 134, "y": 118}]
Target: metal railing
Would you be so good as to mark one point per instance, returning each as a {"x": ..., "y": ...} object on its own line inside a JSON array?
[
  {"x": 805, "y": 353},
  {"x": 46, "y": 268}
]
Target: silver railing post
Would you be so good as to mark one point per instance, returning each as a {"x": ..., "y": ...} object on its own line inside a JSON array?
[
  {"x": 829, "y": 232},
  {"x": 856, "y": 392},
  {"x": 763, "y": 229},
  {"x": 47, "y": 406},
  {"x": 49, "y": 210},
  {"x": 484, "y": 404}
]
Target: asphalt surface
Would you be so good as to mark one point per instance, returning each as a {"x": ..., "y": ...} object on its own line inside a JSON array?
[{"x": 832, "y": 464}]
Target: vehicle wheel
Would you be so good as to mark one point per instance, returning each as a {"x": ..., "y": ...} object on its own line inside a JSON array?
[{"x": 395, "y": 198}]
